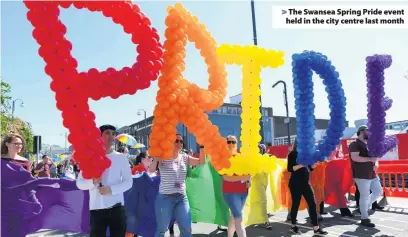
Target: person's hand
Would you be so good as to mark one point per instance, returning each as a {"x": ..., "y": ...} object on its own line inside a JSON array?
[
  {"x": 97, "y": 180},
  {"x": 248, "y": 184},
  {"x": 375, "y": 168},
  {"x": 105, "y": 190},
  {"x": 314, "y": 166}
]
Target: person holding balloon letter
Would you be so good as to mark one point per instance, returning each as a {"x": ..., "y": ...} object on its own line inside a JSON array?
[
  {"x": 235, "y": 189},
  {"x": 364, "y": 170},
  {"x": 106, "y": 193},
  {"x": 299, "y": 185},
  {"x": 172, "y": 198}
]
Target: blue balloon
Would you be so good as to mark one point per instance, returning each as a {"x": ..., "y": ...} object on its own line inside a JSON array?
[{"x": 303, "y": 66}]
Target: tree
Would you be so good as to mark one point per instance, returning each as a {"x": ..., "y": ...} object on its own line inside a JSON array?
[
  {"x": 5, "y": 98},
  {"x": 11, "y": 125}
]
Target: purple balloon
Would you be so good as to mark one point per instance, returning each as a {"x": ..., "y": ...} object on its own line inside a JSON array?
[
  {"x": 386, "y": 103},
  {"x": 378, "y": 143}
]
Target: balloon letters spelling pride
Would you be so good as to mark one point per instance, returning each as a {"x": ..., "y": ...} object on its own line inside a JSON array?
[
  {"x": 73, "y": 89},
  {"x": 178, "y": 100},
  {"x": 252, "y": 59},
  {"x": 378, "y": 143},
  {"x": 303, "y": 66}
]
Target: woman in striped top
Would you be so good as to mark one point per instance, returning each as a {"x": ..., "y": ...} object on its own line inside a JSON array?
[
  {"x": 11, "y": 146},
  {"x": 172, "y": 199}
]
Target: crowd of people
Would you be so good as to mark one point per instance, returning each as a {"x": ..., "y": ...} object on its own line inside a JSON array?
[{"x": 172, "y": 205}]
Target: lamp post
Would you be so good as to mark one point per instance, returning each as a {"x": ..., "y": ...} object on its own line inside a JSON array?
[
  {"x": 287, "y": 119},
  {"x": 254, "y": 22},
  {"x": 256, "y": 43},
  {"x": 13, "y": 106},
  {"x": 145, "y": 123}
]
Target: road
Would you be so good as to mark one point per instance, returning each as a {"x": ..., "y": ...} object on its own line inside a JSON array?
[{"x": 391, "y": 222}]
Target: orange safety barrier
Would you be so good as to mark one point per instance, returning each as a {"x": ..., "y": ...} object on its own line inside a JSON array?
[{"x": 394, "y": 179}]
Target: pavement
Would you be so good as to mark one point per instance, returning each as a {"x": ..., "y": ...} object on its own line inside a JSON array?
[{"x": 390, "y": 222}]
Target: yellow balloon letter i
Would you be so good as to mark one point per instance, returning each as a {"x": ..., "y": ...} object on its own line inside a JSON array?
[{"x": 252, "y": 59}]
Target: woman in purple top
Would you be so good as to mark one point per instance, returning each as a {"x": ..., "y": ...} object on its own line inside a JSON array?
[{"x": 11, "y": 146}]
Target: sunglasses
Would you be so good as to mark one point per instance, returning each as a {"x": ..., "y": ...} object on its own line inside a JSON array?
[
  {"x": 179, "y": 141},
  {"x": 231, "y": 142},
  {"x": 17, "y": 144}
]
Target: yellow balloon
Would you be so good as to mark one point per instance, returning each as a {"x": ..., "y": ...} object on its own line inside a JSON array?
[{"x": 252, "y": 59}]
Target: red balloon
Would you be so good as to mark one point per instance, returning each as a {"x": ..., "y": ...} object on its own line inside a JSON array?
[
  {"x": 73, "y": 89},
  {"x": 65, "y": 4}
]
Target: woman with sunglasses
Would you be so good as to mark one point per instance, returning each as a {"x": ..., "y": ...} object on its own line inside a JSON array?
[
  {"x": 235, "y": 189},
  {"x": 172, "y": 199},
  {"x": 11, "y": 146},
  {"x": 299, "y": 185}
]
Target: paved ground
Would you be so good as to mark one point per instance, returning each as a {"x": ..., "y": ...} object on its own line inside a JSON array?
[{"x": 391, "y": 222}]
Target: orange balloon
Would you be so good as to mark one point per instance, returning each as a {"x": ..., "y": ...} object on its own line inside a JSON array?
[{"x": 178, "y": 100}]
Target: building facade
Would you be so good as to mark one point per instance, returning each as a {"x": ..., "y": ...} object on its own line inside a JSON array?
[
  {"x": 281, "y": 130},
  {"x": 398, "y": 126},
  {"x": 227, "y": 118}
]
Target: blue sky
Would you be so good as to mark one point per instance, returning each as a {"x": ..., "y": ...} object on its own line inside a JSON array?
[{"x": 98, "y": 42}]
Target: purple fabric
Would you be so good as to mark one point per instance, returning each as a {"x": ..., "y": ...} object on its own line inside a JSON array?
[
  {"x": 139, "y": 205},
  {"x": 378, "y": 143},
  {"x": 29, "y": 204}
]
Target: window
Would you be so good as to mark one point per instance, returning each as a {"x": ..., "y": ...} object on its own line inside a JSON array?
[
  {"x": 224, "y": 110},
  {"x": 264, "y": 112}
]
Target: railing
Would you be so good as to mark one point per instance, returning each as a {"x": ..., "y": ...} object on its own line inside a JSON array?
[{"x": 279, "y": 141}]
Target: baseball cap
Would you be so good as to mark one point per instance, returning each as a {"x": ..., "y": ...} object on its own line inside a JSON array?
[{"x": 361, "y": 128}]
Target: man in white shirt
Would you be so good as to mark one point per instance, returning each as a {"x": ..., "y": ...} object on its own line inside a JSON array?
[{"x": 106, "y": 193}]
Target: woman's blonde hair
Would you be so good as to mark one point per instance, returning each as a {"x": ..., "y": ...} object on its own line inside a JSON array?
[
  {"x": 232, "y": 137},
  {"x": 9, "y": 139}
]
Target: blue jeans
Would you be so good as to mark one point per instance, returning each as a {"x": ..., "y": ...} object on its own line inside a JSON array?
[
  {"x": 235, "y": 202},
  {"x": 367, "y": 199},
  {"x": 168, "y": 205}
]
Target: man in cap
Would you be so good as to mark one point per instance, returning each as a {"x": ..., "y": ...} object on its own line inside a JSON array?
[{"x": 364, "y": 170}]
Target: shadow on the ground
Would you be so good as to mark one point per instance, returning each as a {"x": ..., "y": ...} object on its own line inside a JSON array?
[{"x": 279, "y": 229}]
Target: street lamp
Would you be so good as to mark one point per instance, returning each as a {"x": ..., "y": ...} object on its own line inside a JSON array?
[
  {"x": 256, "y": 43},
  {"x": 287, "y": 119},
  {"x": 254, "y": 22},
  {"x": 13, "y": 106},
  {"x": 145, "y": 123}
]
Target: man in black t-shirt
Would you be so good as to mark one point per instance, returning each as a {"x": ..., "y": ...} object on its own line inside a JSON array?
[{"x": 364, "y": 172}]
